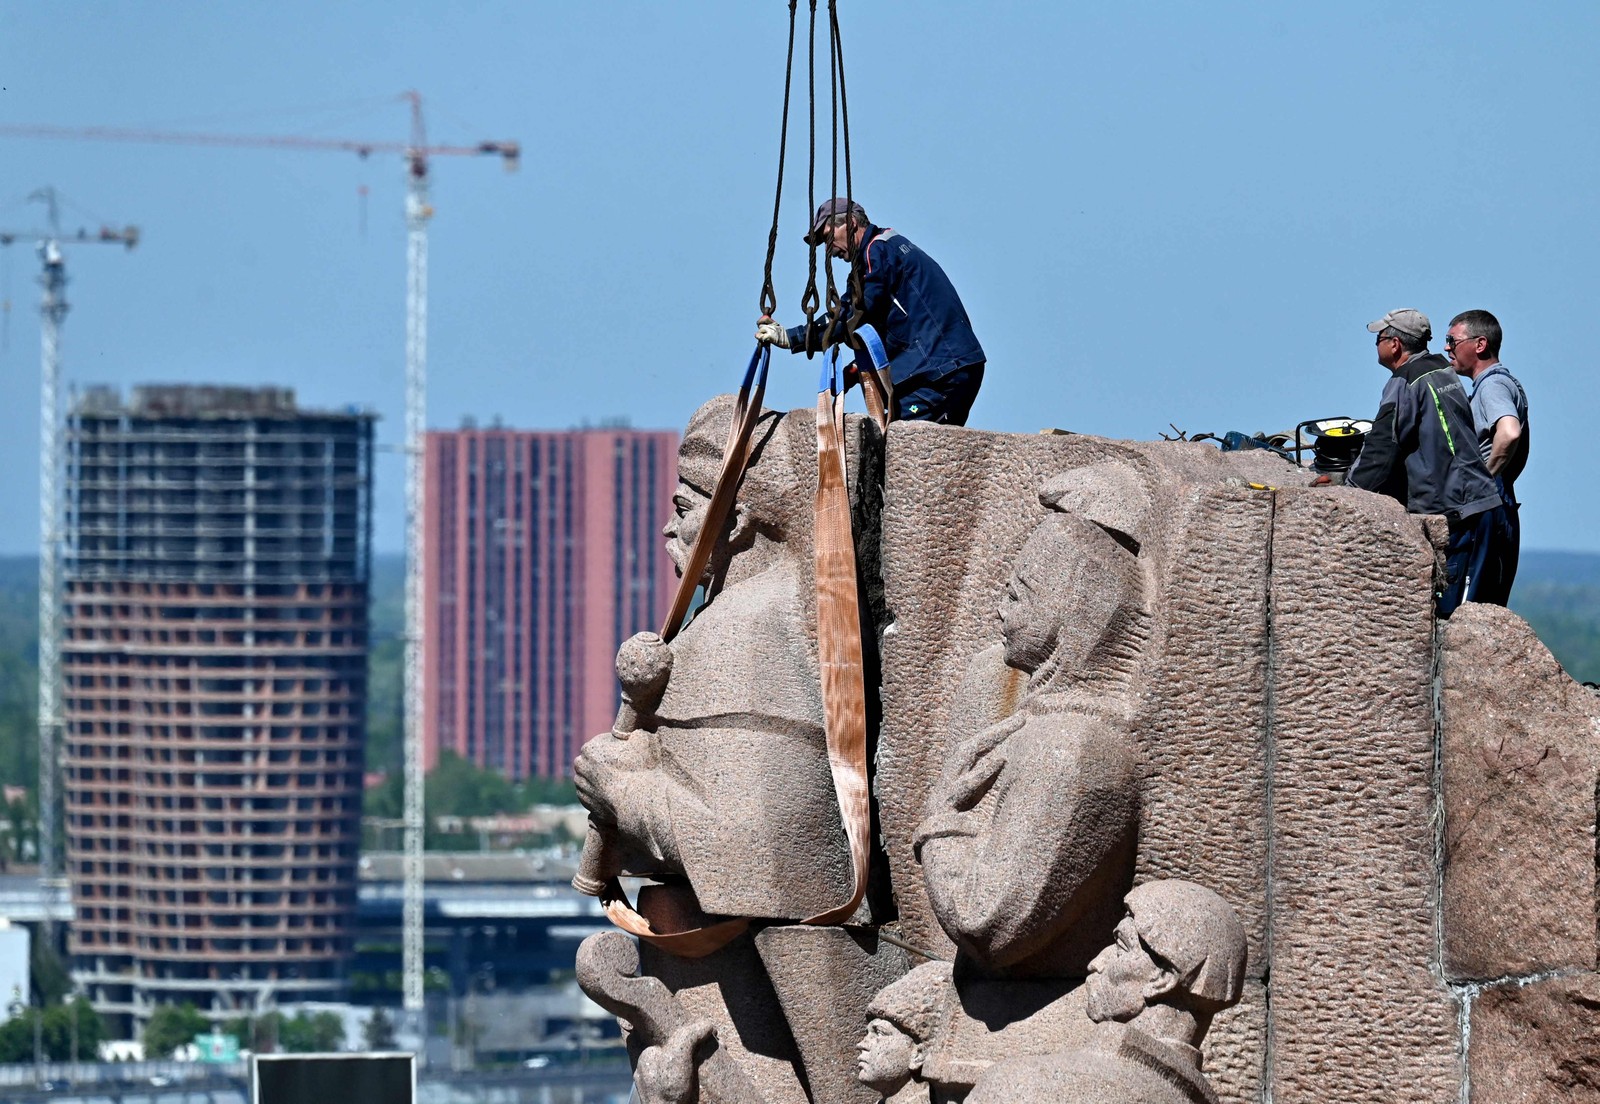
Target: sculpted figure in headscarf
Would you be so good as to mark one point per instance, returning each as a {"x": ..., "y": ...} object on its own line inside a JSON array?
[{"x": 1028, "y": 842}]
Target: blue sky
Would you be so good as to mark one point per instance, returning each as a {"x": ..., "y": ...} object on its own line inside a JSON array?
[{"x": 1156, "y": 211}]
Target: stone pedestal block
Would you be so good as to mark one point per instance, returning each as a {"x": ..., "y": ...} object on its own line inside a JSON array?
[
  {"x": 1537, "y": 1043},
  {"x": 1357, "y": 1014},
  {"x": 1521, "y": 756}
]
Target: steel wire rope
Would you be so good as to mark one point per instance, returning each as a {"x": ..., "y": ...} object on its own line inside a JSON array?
[
  {"x": 840, "y": 111},
  {"x": 809, "y": 300},
  {"x": 849, "y": 190},
  {"x": 833, "y": 300},
  {"x": 769, "y": 298}
]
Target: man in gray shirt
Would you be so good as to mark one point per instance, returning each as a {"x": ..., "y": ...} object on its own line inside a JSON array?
[{"x": 1500, "y": 413}]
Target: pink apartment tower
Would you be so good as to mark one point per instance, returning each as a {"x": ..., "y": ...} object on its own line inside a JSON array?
[{"x": 542, "y": 552}]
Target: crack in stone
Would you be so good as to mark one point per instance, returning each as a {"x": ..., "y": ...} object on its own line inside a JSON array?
[{"x": 1269, "y": 792}]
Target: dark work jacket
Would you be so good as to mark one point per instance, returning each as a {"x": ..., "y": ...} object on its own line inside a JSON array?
[
  {"x": 912, "y": 304},
  {"x": 1423, "y": 448}
]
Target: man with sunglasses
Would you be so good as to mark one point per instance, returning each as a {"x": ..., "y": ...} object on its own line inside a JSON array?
[
  {"x": 1500, "y": 411},
  {"x": 935, "y": 360},
  {"x": 1422, "y": 450}
]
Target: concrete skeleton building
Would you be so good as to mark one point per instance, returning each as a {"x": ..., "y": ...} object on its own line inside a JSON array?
[
  {"x": 214, "y": 665},
  {"x": 542, "y": 552}
]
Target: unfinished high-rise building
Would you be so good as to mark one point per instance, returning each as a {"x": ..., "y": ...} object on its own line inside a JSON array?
[{"x": 214, "y": 659}]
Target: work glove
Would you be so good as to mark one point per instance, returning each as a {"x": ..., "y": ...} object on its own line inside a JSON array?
[{"x": 769, "y": 332}]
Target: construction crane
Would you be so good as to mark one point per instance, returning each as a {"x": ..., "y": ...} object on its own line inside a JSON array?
[
  {"x": 52, "y": 313},
  {"x": 417, "y": 154}
]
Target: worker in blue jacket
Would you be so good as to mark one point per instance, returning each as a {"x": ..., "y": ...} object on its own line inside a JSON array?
[{"x": 935, "y": 360}]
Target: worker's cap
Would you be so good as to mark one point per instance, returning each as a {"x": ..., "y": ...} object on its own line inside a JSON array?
[
  {"x": 1412, "y": 323},
  {"x": 838, "y": 205}
]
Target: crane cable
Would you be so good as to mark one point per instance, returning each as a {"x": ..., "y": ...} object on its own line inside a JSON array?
[
  {"x": 876, "y": 386},
  {"x": 769, "y": 298}
]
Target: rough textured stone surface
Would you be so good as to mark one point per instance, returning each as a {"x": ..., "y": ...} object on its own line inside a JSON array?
[
  {"x": 1521, "y": 751},
  {"x": 1236, "y": 1047},
  {"x": 1538, "y": 1043},
  {"x": 1356, "y": 1014},
  {"x": 1205, "y": 708},
  {"x": 824, "y": 978}
]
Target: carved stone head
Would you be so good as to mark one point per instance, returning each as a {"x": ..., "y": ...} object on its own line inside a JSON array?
[
  {"x": 1074, "y": 594},
  {"x": 774, "y": 492},
  {"x": 1180, "y": 944},
  {"x": 902, "y": 1020}
]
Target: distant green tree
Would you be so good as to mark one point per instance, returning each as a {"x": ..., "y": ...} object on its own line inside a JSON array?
[
  {"x": 258, "y": 1033},
  {"x": 311, "y": 1033},
  {"x": 19, "y": 830},
  {"x": 548, "y": 791},
  {"x": 460, "y": 787},
  {"x": 19, "y": 671},
  {"x": 16, "y": 1036},
  {"x": 91, "y": 1030},
  {"x": 378, "y": 1031},
  {"x": 55, "y": 1033},
  {"x": 51, "y": 982},
  {"x": 1566, "y": 615},
  {"x": 385, "y": 704},
  {"x": 172, "y": 1026}
]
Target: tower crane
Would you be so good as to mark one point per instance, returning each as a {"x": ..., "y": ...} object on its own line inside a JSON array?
[
  {"x": 52, "y": 313},
  {"x": 417, "y": 154}
]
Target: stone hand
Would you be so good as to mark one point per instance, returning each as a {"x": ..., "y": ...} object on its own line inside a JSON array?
[
  {"x": 975, "y": 765},
  {"x": 604, "y": 771},
  {"x": 669, "y": 1073}
]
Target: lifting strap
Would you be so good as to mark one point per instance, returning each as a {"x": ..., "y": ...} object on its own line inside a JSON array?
[
  {"x": 839, "y": 648},
  {"x": 877, "y": 386}
]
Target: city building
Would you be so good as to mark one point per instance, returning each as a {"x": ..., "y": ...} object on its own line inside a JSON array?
[
  {"x": 214, "y": 651},
  {"x": 542, "y": 552}
]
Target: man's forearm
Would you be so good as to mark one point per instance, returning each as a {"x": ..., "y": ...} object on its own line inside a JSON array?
[{"x": 1507, "y": 431}]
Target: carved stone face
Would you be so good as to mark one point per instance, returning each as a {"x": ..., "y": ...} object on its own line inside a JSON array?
[
  {"x": 888, "y": 1056},
  {"x": 688, "y": 515},
  {"x": 1121, "y": 977},
  {"x": 1027, "y": 622}
]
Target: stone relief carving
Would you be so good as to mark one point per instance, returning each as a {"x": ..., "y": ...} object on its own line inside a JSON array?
[{"x": 1093, "y": 740}]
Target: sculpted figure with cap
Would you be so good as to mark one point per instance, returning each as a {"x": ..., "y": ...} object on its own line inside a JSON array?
[
  {"x": 700, "y": 796},
  {"x": 1178, "y": 958},
  {"x": 903, "y": 1019}
]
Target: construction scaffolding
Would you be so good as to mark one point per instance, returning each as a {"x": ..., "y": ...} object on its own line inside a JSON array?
[{"x": 214, "y": 659}]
